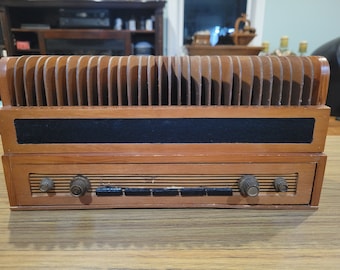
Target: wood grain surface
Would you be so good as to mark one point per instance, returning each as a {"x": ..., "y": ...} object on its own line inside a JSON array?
[{"x": 177, "y": 238}]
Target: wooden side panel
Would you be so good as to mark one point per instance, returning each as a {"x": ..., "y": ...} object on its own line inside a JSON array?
[
  {"x": 319, "y": 175},
  {"x": 9, "y": 181}
]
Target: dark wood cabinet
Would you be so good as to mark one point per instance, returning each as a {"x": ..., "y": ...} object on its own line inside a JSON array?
[{"x": 82, "y": 26}]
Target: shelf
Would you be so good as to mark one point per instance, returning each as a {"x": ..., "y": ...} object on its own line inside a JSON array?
[
  {"x": 50, "y": 15},
  {"x": 28, "y": 51},
  {"x": 24, "y": 30},
  {"x": 222, "y": 50}
]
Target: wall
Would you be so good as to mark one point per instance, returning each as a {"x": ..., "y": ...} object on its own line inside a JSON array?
[{"x": 316, "y": 21}]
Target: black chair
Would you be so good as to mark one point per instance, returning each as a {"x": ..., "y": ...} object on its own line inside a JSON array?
[{"x": 331, "y": 50}]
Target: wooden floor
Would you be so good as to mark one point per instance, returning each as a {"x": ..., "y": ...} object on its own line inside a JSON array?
[{"x": 178, "y": 238}]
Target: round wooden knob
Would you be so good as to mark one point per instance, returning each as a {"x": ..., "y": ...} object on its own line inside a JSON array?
[
  {"x": 79, "y": 185},
  {"x": 281, "y": 184},
  {"x": 46, "y": 184},
  {"x": 249, "y": 186}
]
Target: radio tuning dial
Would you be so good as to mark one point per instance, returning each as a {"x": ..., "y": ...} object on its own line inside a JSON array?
[
  {"x": 46, "y": 184},
  {"x": 280, "y": 184},
  {"x": 79, "y": 185},
  {"x": 249, "y": 186}
]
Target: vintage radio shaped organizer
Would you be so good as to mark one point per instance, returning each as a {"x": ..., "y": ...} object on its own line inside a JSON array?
[{"x": 156, "y": 131}]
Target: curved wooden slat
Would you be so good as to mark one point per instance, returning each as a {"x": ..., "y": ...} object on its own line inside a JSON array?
[{"x": 161, "y": 80}]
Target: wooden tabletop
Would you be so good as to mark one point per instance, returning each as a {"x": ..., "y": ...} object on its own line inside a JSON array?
[{"x": 177, "y": 238}]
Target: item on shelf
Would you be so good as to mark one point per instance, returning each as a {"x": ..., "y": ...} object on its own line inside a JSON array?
[
  {"x": 243, "y": 36},
  {"x": 35, "y": 26},
  {"x": 201, "y": 38},
  {"x": 149, "y": 24},
  {"x": 283, "y": 50},
  {"x": 143, "y": 48},
  {"x": 225, "y": 39},
  {"x": 142, "y": 24},
  {"x": 265, "y": 50},
  {"x": 23, "y": 45},
  {"x": 118, "y": 24},
  {"x": 72, "y": 18},
  {"x": 132, "y": 24},
  {"x": 303, "y": 47}
]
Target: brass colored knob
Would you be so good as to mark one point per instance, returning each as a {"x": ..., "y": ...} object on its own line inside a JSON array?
[
  {"x": 280, "y": 184},
  {"x": 79, "y": 185},
  {"x": 249, "y": 186},
  {"x": 46, "y": 184}
]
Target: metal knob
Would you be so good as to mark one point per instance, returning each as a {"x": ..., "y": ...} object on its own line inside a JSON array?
[
  {"x": 249, "y": 186},
  {"x": 79, "y": 185},
  {"x": 46, "y": 184},
  {"x": 280, "y": 184}
]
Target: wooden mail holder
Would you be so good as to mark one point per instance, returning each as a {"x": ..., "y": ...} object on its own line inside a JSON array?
[{"x": 83, "y": 132}]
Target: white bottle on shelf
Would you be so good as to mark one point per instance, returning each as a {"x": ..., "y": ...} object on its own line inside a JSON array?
[
  {"x": 265, "y": 50},
  {"x": 283, "y": 50},
  {"x": 303, "y": 47}
]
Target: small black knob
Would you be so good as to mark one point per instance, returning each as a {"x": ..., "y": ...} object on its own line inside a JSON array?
[
  {"x": 280, "y": 184},
  {"x": 249, "y": 186},
  {"x": 46, "y": 184},
  {"x": 79, "y": 185}
]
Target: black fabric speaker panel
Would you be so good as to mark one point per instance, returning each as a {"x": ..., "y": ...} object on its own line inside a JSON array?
[{"x": 165, "y": 130}]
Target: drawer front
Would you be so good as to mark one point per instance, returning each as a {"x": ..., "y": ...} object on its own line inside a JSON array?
[{"x": 120, "y": 185}]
